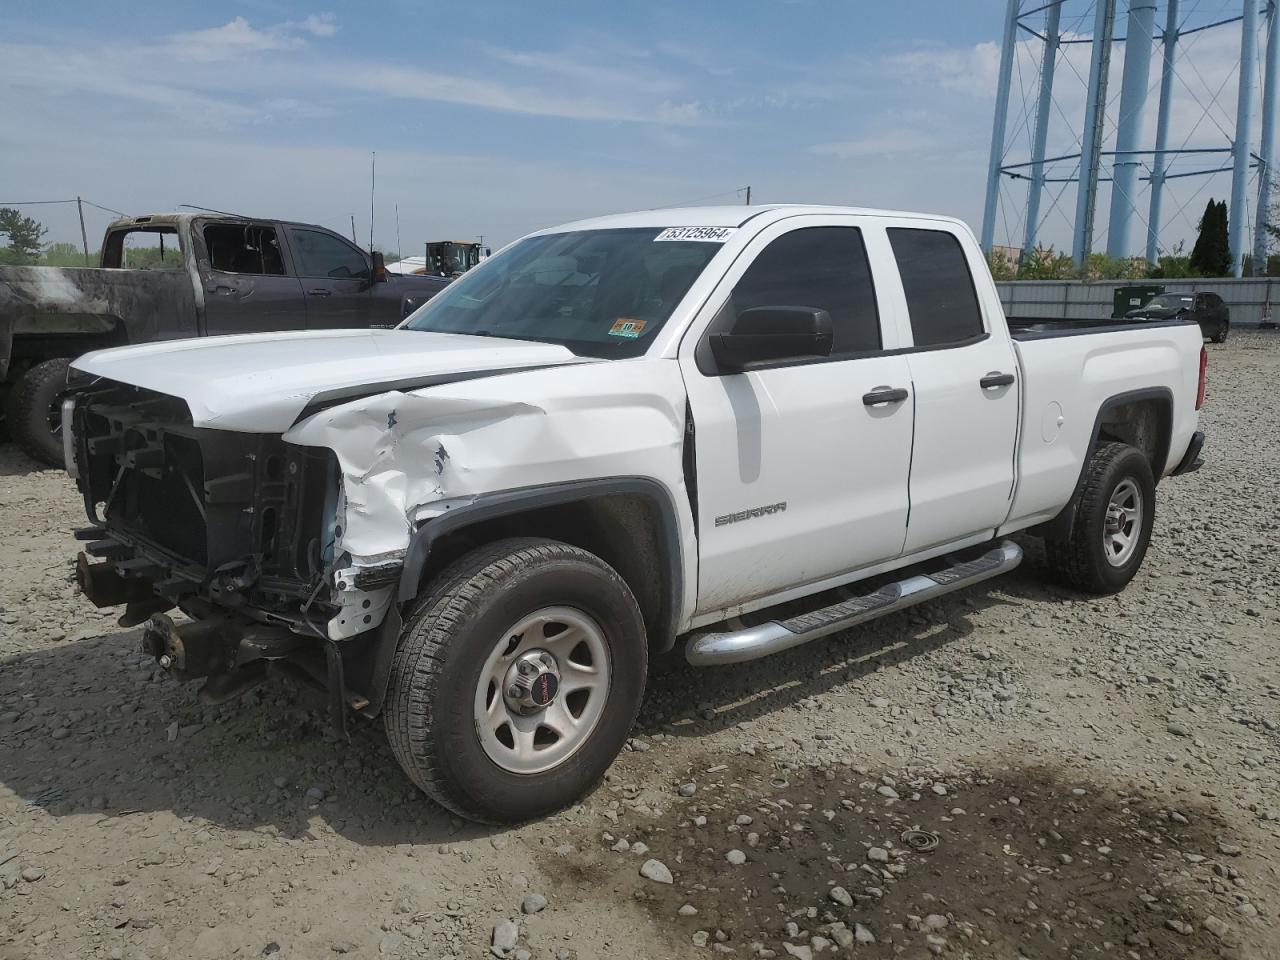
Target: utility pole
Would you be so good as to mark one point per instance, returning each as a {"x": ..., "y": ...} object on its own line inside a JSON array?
[
  {"x": 353, "y": 229},
  {"x": 84, "y": 237},
  {"x": 399, "y": 252},
  {"x": 748, "y": 195}
]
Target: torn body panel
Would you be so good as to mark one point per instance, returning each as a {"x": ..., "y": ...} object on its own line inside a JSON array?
[{"x": 406, "y": 457}]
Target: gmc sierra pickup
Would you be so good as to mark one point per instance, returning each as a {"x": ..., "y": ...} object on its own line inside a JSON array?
[{"x": 735, "y": 429}]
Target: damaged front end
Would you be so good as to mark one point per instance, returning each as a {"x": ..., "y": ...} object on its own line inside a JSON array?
[{"x": 236, "y": 530}]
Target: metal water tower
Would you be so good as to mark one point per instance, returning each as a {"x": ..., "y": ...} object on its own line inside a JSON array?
[{"x": 1112, "y": 145}]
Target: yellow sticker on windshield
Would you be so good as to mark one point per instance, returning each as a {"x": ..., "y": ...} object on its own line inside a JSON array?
[{"x": 631, "y": 329}]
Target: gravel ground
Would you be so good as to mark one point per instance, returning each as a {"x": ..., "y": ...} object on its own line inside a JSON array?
[{"x": 1012, "y": 771}]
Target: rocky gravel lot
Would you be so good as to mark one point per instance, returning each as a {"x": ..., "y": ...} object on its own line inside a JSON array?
[{"x": 1016, "y": 771}]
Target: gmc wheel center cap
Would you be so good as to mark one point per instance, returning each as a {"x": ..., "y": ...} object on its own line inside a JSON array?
[{"x": 532, "y": 682}]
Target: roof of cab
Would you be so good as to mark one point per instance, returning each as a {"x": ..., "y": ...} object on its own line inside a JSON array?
[{"x": 727, "y": 216}]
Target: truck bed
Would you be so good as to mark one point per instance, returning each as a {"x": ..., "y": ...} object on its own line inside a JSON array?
[{"x": 1041, "y": 328}]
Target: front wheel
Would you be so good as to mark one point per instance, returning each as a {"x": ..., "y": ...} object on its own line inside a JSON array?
[
  {"x": 1223, "y": 329},
  {"x": 517, "y": 680},
  {"x": 1112, "y": 527}
]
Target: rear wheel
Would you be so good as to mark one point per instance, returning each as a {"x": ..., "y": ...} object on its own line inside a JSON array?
[
  {"x": 33, "y": 411},
  {"x": 1223, "y": 329},
  {"x": 1112, "y": 527},
  {"x": 516, "y": 680}
]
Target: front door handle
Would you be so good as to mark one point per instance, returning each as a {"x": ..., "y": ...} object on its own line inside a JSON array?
[
  {"x": 319, "y": 292},
  {"x": 884, "y": 395},
  {"x": 995, "y": 379}
]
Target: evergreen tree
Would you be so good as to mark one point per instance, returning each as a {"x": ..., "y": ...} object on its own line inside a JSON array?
[
  {"x": 1211, "y": 256},
  {"x": 25, "y": 237}
]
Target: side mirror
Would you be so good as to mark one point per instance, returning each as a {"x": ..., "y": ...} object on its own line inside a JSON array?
[
  {"x": 763, "y": 334},
  {"x": 379, "y": 268}
]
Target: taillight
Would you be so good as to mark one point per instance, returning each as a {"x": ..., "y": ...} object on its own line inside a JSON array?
[{"x": 1204, "y": 362}]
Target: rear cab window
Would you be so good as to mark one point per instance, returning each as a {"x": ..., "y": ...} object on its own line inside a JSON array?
[
  {"x": 143, "y": 248},
  {"x": 942, "y": 300}
]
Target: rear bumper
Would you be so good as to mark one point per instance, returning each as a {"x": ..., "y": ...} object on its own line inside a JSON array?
[{"x": 1191, "y": 461}]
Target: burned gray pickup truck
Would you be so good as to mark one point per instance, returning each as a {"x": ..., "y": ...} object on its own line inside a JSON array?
[{"x": 179, "y": 275}]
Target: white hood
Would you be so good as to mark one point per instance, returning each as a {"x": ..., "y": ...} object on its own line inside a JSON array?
[{"x": 260, "y": 383}]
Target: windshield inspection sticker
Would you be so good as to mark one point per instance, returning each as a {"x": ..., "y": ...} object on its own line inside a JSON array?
[
  {"x": 631, "y": 329},
  {"x": 705, "y": 234}
]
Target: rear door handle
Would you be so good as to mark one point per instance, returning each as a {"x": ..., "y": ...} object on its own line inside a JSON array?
[
  {"x": 995, "y": 379},
  {"x": 319, "y": 292},
  {"x": 884, "y": 395}
]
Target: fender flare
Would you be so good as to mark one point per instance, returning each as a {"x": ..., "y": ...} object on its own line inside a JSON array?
[
  {"x": 508, "y": 502},
  {"x": 1063, "y": 522}
]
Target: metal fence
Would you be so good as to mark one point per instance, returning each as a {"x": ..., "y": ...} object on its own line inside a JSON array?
[{"x": 1252, "y": 300}]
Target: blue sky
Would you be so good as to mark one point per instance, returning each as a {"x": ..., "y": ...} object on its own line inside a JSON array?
[{"x": 491, "y": 117}]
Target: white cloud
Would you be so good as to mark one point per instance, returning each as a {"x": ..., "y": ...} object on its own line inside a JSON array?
[
  {"x": 318, "y": 25},
  {"x": 233, "y": 39},
  {"x": 679, "y": 114},
  {"x": 200, "y": 90},
  {"x": 889, "y": 143},
  {"x": 971, "y": 70}
]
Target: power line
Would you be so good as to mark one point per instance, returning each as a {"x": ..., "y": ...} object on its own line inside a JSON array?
[
  {"x": 715, "y": 196},
  {"x": 33, "y": 203}
]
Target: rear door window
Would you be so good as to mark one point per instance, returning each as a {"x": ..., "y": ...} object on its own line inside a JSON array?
[
  {"x": 250, "y": 248},
  {"x": 941, "y": 298}
]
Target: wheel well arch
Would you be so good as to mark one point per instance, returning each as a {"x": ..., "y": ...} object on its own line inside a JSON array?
[
  {"x": 1143, "y": 419},
  {"x": 630, "y": 523}
]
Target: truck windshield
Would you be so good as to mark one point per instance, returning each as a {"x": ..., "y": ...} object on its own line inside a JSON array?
[
  {"x": 1171, "y": 301},
  {"x": 600, "y": 293}
]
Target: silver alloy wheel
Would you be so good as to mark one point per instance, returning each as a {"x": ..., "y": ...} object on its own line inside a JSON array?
[
  {"x": 542, "y": 690},
  {"x": 1123, "y": 526}
]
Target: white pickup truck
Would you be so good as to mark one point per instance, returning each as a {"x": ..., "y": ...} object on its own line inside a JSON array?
[{"x": 733, "y": 429}]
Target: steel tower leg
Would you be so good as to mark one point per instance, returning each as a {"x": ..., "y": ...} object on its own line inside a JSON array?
[
  {"x": 1267, "y": 151},
  {"x": 998, "y": 126},
  {"x": 1244, "y": 134},
  {"x": 1133, "y": 96},
  {"x": 1091, "y": 142},
  {"x": 1047, "y": 64},
  {"x": 1158, "y": 163}
]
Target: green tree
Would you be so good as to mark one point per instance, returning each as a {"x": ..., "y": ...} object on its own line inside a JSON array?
[
  {"x": 1045, "y": 263},
  {"x": 64, "y": 255},
  {"x": 25, "y": 237},
  {"x": 1211, "y": 255}
]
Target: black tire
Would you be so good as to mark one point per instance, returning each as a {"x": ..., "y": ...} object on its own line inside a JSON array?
[
  {"x": 1080, "y": 560},
  {"x": 1223, "y": 329},
  {"x": 453, "y": 629},
  {"x": 32, "y": 405}
]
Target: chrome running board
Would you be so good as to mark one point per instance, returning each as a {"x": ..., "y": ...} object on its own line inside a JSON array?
[{"x": 774, "y": 636}]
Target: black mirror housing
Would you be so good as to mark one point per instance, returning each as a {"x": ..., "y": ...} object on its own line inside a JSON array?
[
  {"x": 773, "y": 334},
  {"x": 379, "y": 268}
]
